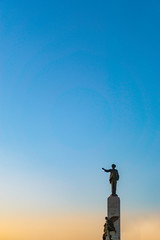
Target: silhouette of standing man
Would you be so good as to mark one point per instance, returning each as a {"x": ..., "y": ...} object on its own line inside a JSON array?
[{"x": 114, "y": 177}]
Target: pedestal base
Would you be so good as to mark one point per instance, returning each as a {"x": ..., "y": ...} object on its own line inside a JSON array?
[{"x": 113, "y": 212}]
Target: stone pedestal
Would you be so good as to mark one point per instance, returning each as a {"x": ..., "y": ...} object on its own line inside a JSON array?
[{"x": 113, "y": 210}]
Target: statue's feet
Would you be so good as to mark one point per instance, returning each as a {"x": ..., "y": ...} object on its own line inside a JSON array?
[{"x": 113, "y": 195}]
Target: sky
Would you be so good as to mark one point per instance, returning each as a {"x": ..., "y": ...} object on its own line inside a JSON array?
[{"x": 79, "y": 90}]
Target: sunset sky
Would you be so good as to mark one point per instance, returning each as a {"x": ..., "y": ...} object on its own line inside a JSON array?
[{"x": 79, "y": 90}]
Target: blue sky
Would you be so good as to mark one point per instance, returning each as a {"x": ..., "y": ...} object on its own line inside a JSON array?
[{"x": 79, "y": 90}]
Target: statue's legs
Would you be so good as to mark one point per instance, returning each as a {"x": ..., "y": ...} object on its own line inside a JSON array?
[
  {"x": 104, "y": 236},
  {"x": 109, "y": 235},
  {"x": 114, "y": 184}
]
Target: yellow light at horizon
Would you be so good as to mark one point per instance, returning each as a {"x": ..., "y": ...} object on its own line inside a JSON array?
[{"x": 79, "y": 227}]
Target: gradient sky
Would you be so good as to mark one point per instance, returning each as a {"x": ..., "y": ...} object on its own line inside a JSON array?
[{"x": 79, "y": 90}]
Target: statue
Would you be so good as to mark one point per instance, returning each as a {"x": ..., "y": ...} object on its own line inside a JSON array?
[
  {"x": 109, "y": 227},
  {"x": 114, "y": 177}
]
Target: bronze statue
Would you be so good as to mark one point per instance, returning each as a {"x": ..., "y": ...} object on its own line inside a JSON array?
[
  {"x": 109, "y": 227},
  {"x": 114, "y": 177}
]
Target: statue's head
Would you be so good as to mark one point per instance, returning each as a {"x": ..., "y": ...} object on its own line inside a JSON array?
[{"x": 113, "y": 166}]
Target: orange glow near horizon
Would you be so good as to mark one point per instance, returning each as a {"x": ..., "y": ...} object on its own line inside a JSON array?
[{"x": 86, "y": 227}]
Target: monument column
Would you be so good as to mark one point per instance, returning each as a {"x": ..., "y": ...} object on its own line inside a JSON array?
[
  {"x": 112, "y": 224},
  {"x": 113, "y": 212}
]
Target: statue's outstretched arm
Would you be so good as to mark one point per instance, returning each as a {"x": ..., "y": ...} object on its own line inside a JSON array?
[{"x": 106, "y": 170}]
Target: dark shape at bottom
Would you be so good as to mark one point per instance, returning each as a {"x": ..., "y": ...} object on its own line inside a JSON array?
[{"x": 109, "y": 227}]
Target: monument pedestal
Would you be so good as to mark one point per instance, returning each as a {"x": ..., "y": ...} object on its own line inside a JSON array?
[{"x": 113, "y": 212}]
